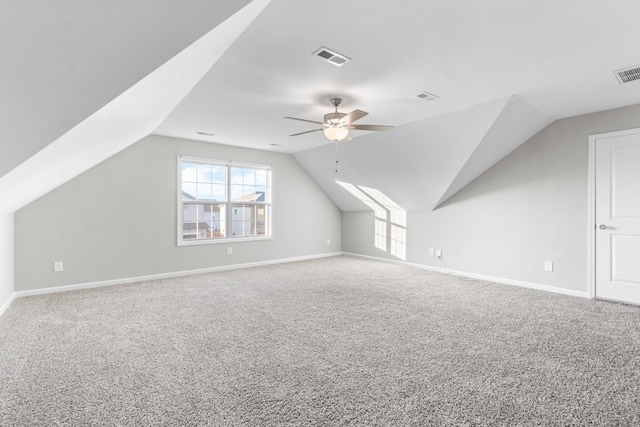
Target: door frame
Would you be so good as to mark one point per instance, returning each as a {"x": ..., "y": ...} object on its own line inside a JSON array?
[{"x": 591, "y": 202}]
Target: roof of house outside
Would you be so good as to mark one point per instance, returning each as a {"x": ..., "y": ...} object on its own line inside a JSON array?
[
  {"x": 195, "y": 225},
  {"x": 258, "y": 196}
]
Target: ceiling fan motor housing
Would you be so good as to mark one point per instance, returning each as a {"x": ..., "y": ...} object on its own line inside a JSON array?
[{"x": 333, "y": 118}]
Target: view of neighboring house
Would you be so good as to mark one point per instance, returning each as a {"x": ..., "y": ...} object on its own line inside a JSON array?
[{"x": 206, "y": 220}]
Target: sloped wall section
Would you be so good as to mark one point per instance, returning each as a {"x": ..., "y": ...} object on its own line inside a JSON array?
[
  {"x": 529, "y": 208},
  {"x": 421, "y": 164}
]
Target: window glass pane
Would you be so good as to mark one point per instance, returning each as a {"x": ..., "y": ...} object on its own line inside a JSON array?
[
  {"x": 261, "y": 177},
  {"x": 236, "y": 175},
  {"x": 189, "y": 191},
  {"x": 203, "y": 221},
  {"x": 236, "y": 192},
  {"x": 189, "y": 171},
  {"x": 219, "y": 174},
  {"x": 398, "y": 241},
  {"x": 193, "y": 225},
  {"x": 204, "y": 191},
  {"x": 215, "y": 217},
  {"x": 204, "y": 173},
  {"x": 261, "y": 220},
  {"x": 381, "y": 234},
  {"x": 249, "y": 220},
  {"x": 256, "y": 196},
  {"x": 249, "y": 177},
  {"x": 218, "y": 192},
  {"x": 247, "y": 194}
]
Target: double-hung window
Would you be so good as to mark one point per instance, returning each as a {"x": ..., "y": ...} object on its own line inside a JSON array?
[{"x": 222, "y": 200}]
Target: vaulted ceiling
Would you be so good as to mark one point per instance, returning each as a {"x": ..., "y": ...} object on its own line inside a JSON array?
[{"x": 502, "y": 70}]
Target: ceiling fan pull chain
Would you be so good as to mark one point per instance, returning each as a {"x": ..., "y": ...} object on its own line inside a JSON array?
[{"x": 336, "y": 156}]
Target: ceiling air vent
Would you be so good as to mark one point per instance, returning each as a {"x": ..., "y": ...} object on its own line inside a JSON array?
[
  {"x": 331, "y": 56},
  {"x": 427, "y": 96},
  {"x": 628, "y": 74}
]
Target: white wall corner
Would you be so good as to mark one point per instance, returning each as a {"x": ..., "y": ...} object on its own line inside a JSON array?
[{"x": 7, "y": 277}]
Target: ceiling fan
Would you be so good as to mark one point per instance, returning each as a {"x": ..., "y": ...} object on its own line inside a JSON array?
[{"x": 336, "y": 125}]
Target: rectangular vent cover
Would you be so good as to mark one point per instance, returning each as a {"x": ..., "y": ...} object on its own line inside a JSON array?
[
  {"x": 628, "y": 74},
  {"x": 331, "y": 56},
  {"x": 427, "y": 96}
]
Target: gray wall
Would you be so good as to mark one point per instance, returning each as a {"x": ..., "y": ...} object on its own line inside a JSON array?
[
  {"x": 6, "y": 258},
  {"x": 118, "y": 220},
  {"x": 529, "y": 208}
]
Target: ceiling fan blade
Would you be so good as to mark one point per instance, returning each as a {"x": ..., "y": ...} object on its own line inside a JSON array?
[
  {"x": 371, "y": 127},
  {"x": 304, "y": 120},
  {"x": 353, "y": 116},
  {"x": 309, "y": 131}
]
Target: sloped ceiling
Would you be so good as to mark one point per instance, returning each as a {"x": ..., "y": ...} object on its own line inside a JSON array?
[
  {"x": 125, "y": 120},
  {"x": 63, "y": 60},
  {"x": 502, "y": 70},
  {"x": 423, "y": 163}
]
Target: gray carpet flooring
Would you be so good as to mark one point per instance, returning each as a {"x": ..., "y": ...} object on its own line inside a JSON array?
[{"x": 328, "y": 342}]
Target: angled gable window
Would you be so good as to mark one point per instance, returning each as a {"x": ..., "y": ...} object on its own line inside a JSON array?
[
  {"x": 390, "y": 231},
  {"x": 222, "y": 201}
]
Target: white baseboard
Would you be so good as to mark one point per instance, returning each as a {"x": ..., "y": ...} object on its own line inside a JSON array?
[
  {"x": 98, "y": 284},
  {"x": 501, "y": 280},
  {"x": 123, "y": 281},
  {"x": 7, "y": 303}
]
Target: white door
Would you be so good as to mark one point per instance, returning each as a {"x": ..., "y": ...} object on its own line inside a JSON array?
[{"x": 617, "y": 218}]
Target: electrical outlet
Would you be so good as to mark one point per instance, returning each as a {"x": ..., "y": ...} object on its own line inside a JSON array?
[
  {"x": 58, "y": 266},
  {"x": 431, "y": 251},
  {"x": 229, "y": 250},
  {"x": 328, "y": 241},
  {"x": 439, "y": 253},
  {"x": 548, "y": 266}
]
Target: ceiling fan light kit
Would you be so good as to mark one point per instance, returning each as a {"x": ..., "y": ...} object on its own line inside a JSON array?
[
  {"x": 336, "y": 133},
  {"x": 336, "y": 125}
]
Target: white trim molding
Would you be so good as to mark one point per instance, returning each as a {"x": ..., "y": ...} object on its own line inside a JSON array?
[
  {"x": 7, "y": 303},
  {"x": 55, "y": 289},
  {"x": 591, "y": 204},
  {"x": 501, "y": 280}
]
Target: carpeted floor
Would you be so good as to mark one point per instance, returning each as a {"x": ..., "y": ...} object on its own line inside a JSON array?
[{"x": 328, "y": 342}]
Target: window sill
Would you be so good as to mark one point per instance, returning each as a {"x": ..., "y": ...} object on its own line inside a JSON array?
[{"x": 219, "y": 241}]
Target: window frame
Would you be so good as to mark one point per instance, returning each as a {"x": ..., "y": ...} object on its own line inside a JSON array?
[{"x": 229, "y": 204}]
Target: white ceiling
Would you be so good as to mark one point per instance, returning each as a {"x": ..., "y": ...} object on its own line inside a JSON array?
[
  {"x": 502, "y": 69},
  {"x": 556, "y": 56}
]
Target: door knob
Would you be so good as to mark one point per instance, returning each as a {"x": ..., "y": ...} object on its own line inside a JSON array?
[{"x": 602, "y": 227}]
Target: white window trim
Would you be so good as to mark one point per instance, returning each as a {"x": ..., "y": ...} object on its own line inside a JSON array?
[{"x": 180, "y": 241}]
